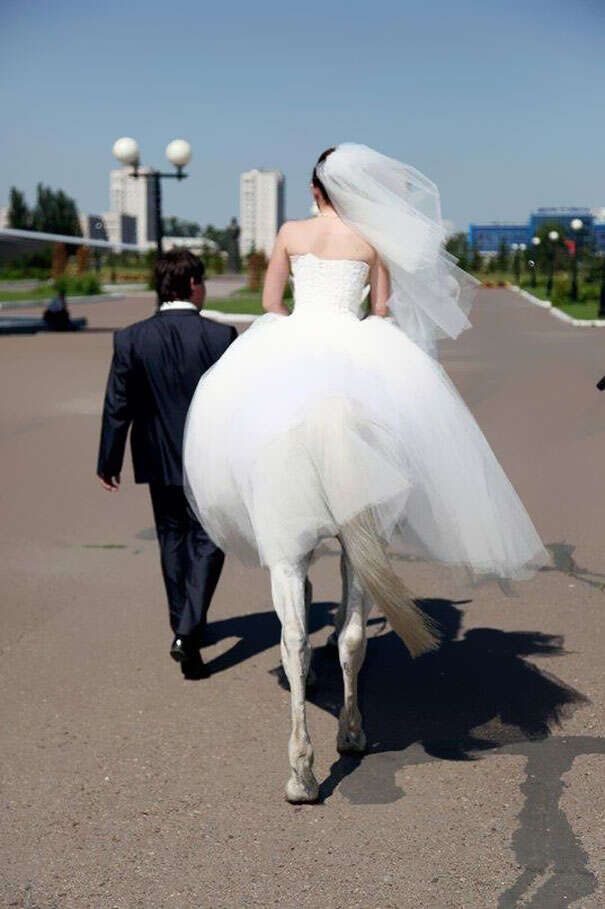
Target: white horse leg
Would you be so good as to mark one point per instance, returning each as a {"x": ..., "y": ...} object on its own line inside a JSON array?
[
  {"x": 289, "y": 586},
  {"x": 340, "y": 614},
  {"x": 311, "y": 675},
  {"x": 351, "y": 650}
]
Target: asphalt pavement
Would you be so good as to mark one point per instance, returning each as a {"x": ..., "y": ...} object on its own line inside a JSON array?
[{"x": 124, "y": 785}]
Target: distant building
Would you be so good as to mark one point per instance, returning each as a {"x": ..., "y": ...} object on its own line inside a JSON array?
[
  {"x": 262, "y": 207},
  {"x": 134, "y": 197},
  {"x": 3, "y": 216},
  {"x": 120, "y": 228},
  {"x": 92, "y": 227},
  {"x": 489, "y": 237}
]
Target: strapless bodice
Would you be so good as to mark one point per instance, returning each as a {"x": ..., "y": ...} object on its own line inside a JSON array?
[{"x": 328, "y": 285}]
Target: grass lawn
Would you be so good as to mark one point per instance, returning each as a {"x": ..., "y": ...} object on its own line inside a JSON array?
[
  {"x": 243, "y": 302},
  {"x": 585, "y": 309},
  {"x": 34, "y": 293}
]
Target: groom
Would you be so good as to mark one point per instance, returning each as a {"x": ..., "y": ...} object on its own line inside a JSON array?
[{"x": 156, "y": 367}]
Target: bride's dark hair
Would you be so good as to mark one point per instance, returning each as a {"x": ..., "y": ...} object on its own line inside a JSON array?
[{"x": 315, "y": 181}]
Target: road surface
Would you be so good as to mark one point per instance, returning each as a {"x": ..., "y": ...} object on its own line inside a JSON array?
[{"x": 123, "y": 785}]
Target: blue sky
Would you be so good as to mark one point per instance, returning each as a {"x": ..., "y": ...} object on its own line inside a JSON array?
[{"x": 501, "y": 103}]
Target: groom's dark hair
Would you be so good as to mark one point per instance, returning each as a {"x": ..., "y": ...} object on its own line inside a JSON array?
[
  {"x": 316, "y": 182},
  {"x": 173, "y": 273}
]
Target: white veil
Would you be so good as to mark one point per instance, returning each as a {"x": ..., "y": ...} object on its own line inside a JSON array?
[{"x": 397, "y": 210}]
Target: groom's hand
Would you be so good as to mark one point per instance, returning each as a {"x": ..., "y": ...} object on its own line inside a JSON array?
[{"x": 111, "y": 484}]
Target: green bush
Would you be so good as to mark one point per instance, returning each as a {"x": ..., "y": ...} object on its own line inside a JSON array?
[
  {"x": 78, "y": 285},
  {"x": 90, "y": 284},
  {"x": 19, "y": 273},
  {"x": 560, "y": 289}
]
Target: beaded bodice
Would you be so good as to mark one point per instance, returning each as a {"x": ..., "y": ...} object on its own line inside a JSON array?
[{"x": 328, "y": 285}]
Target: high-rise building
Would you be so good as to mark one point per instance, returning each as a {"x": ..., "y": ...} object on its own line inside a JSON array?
[
  {"x": 120, "y": 228},
  {"x": 92, "y": 226},
  {"x": 262, "y": 206},
  {"x": 135, "y": 197}
]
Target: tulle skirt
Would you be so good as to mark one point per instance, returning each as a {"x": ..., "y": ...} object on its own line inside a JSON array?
[{"x": 307, "y": 421}]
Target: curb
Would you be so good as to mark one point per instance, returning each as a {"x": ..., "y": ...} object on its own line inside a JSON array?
[
  {"x": 32, "y": 304},
  {"x": 556, "y": 312}
]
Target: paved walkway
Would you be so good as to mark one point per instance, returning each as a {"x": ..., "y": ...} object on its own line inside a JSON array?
[{"x": 125, "y": 786}]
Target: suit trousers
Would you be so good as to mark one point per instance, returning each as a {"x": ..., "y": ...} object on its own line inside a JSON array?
[{"x": 191, "y": 563}]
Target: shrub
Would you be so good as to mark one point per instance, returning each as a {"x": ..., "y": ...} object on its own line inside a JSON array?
[
  {"x": 79, "y": 285},
  {"x": 90, "y": 284},
  {"x": 560, "y": 289}
]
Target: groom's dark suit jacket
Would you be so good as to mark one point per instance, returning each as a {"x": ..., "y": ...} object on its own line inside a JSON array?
[{"x": 156, "y": 367}]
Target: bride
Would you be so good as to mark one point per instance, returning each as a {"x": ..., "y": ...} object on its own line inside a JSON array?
[{"x": 321, "y": 423}]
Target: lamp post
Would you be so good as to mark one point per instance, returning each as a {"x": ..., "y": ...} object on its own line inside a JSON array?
[
  {"x": 522, "y": 248},
  {"x": 576, "y": 225},
  {"x": 553, "y": 236},
  {"x": 516, "y": 269},
  {"x": 535, "y": 243},
  {"x": 178, "y": 152},
  {"x": 602, "y": 297}
]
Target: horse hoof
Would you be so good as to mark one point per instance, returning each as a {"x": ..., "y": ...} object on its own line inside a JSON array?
[
  {"x": 351, "y": 742},
  {"x": 299, "y": 791}
]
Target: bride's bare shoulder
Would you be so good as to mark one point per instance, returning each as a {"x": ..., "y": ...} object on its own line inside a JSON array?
[
  {"x": 296, "y": 228},
  {"x": 294, "y": 234}
]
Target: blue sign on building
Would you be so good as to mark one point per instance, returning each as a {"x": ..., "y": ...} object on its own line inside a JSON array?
[{"x": 488, "y": 238}]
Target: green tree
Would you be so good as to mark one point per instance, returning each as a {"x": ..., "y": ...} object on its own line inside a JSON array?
[
  {"x": 476, "y": 258},
  {"x": 457, "y": 245},
  {"x": 19, "y": 215},
  {"x": 55, "y": 213},
  {"x": 503, "y": 256},
  {"x": 176, "y": 227}
]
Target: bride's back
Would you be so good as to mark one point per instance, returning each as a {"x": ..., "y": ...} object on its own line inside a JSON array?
[{"x": 327, "y": 237}]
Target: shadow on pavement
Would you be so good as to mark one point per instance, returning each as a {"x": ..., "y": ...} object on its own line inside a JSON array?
[
  {"x": 477, "y": 694},
  {"x": 257, "y": 632},
  {"x": 564, "y": 561}
]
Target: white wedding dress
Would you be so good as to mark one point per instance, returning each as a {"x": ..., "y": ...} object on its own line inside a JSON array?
[{"x": 311, "y": 418}]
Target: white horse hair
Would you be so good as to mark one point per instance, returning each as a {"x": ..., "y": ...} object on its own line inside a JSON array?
[{"x": 366, "y": 577}]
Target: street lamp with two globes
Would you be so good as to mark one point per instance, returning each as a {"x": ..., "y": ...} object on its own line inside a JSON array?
[
  {"x": 518, "y": 249},
  {"x": 577, "y": 226},
  {"x": 178, "y": 152},
  {"x": 534, "y": 264},
  {"x": 553, "y": 236}
]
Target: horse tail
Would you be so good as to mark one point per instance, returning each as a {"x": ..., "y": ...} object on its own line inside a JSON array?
[{"x": 387, "y": 591}]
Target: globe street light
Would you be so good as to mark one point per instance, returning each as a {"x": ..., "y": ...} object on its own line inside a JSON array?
[
  {"x": 535, "y": 243},
  {"x": 516, "y": 268},
  {"x": 553, "y": 236},
  {"x": 576, "y": 225},
  {"x": 522, "y": 248},
  {"x": 178, "y": 152}
]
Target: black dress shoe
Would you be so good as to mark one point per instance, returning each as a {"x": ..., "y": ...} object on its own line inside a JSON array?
[
  {"x": 195, "y": 668},
  {"x": 184, "y": 649}
]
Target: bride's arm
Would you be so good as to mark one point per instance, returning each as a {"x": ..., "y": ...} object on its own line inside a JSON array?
[
  {"x": 276, "y": 277},
  {"x": 380, "y": 289}
]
